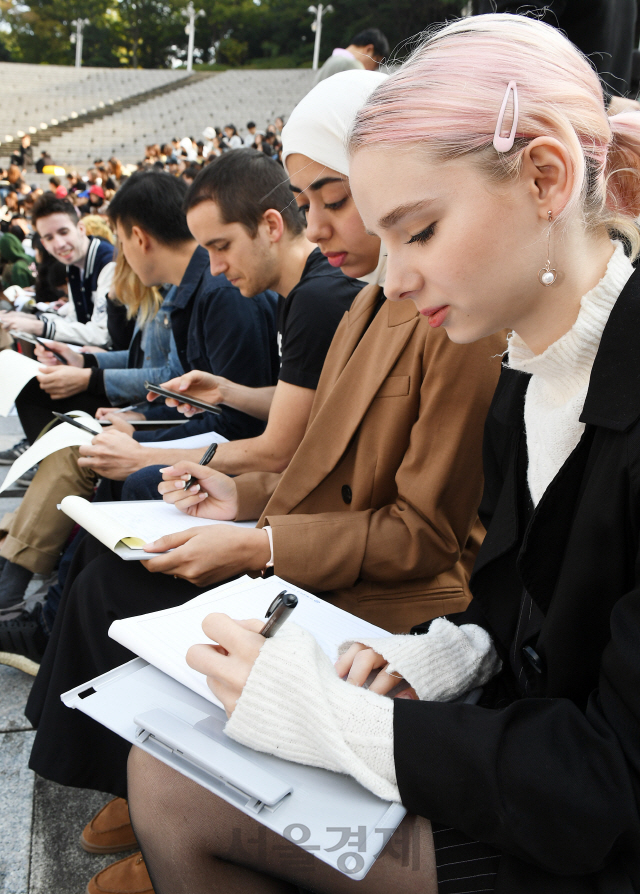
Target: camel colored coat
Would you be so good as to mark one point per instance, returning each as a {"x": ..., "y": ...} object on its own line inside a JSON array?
[{"x": 378, "y": 508}]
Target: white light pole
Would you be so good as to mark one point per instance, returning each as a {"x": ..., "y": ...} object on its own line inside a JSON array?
[
  {"x": 191, "y": 30},
  {"x": 318, "y": 11},
  {"x": 77, "y": 39}
]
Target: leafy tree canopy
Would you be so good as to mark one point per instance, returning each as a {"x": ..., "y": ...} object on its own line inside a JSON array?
[{"x": 151, "y": 33}]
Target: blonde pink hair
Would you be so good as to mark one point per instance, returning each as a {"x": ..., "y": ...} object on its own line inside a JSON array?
[{"x": 447, "y": 96}]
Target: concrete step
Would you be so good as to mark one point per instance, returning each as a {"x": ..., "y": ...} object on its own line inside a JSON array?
[{"x": 66, "y": 126}]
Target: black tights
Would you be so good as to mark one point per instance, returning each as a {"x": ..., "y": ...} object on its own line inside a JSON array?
[{"x": 196, "y": 843}]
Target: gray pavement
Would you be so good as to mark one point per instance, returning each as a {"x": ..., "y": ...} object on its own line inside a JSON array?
[{"x": 40, "y": 822}]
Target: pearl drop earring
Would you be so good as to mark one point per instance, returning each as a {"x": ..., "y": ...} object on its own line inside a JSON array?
[{"x": 547, "y": 275}]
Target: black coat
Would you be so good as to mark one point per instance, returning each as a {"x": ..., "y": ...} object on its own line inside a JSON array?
[{"x": 547, "y": 767}]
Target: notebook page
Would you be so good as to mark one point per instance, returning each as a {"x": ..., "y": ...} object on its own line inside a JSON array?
[
  {"x": 57, "y": 438},
  {"x": 163, "y": 638},
  {"x": 93, "y": 520},
  {"x": 204, "y": 439},
  {"x": 15, "y": 371},
  {"x": 144, "y": 519},
  {"x": 151, "y": 519}
]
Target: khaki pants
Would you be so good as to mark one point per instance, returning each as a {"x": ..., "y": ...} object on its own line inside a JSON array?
[
  {"x": 38, "y": 530},
  {"x": 5, "y": 340}
]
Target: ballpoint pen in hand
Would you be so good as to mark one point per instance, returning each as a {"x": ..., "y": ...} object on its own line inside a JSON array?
[
  {"x": 72, "y": 421},
  {"x": 278, "y": 612},
  {"x": 132, "y": 407},
  {"x": 208, "y": 455}
]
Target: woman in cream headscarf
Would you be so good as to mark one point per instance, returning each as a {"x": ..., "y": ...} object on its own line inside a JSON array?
[{"x": 314, "y": 154}]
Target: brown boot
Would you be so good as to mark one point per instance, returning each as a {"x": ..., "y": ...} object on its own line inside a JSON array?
[
  {"x": 128, "y": 876},
  {"x": 110, "y": 831}
]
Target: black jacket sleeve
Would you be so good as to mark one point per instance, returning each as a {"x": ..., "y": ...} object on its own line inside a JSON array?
[{"x": 540, "y": 779}]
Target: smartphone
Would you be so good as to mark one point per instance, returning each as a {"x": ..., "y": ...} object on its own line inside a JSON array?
[
  {"x": 24, "y": 336},
  {"x": 182, "y": 398},
  {"x": 42, "y": 342}
]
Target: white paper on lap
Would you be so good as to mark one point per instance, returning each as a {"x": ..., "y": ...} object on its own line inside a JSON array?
[
  {"x": 15, "y": 371},
  {"x": 189, "y": 443},
  {"x": 143, "y": 520},
  {"x": 62, "y": 435}
]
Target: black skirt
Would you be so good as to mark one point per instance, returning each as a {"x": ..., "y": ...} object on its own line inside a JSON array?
[
  {"x": 71, "y": 748},
  {"x": 464, "y": 866}
]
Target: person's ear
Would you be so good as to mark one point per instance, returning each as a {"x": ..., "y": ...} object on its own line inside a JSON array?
[
  {"x": 82, "y": 228},
  {"x": 273, "y": 224},
  {"x": 548, "y": 173},
  {"x": 141, "y": 238}
]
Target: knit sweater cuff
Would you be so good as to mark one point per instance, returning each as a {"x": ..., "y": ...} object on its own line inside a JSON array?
[
  {"x": 442, "y": 664},
  {"x": 296, "y": 707}
]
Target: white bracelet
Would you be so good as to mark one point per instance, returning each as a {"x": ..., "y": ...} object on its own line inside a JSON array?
[{"x": 267, "y": 528}]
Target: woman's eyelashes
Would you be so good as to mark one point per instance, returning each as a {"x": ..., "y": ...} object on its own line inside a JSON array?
[
  {"x": 423, "y": 236},
  {"x": 335, "y": 206}
]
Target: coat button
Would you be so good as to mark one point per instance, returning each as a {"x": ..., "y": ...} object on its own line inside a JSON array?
[
  {"x": 347, "y": 496},
  {"x": 533, "y": 658}
]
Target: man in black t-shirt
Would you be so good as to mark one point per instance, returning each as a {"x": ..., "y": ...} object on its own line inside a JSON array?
[{"x": 240, "y": 208}]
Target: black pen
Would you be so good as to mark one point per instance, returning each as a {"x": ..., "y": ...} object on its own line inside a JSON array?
[
  {"x": 75, "y": 422},
  {"x": 208, "y": 455},
  {"x": 278, "y": 612},
  {"x": 42, "y": 343}
]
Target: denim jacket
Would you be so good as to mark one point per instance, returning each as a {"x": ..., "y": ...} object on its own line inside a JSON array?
[{"x": 152, "y": 356}]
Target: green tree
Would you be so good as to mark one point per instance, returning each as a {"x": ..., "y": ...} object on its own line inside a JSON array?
[
  {"x": 399, "y": 20},
  {"x": 148, "y": 30},
  {"x": 41, "y": 32}
]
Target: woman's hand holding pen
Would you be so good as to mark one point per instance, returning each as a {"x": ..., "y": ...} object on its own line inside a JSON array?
[
  {"x": 228, "y": 663},
  {"x": 45, "y": 357},
  {"x": 201, "y": 385},
  {"x": 214, "y": 496},
  {"x": 359, "y": 662}
]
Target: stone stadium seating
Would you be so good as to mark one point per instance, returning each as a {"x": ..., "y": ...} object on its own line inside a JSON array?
[
  {"x": 36, "y": 95},
  {"x": 229, "y": 97}
]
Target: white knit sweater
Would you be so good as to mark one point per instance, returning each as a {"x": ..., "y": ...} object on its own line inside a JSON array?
[
  {"x": 560, "y": 378},
  {"x": 295, "y": 706}
]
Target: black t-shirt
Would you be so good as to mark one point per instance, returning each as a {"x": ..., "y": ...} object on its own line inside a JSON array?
[{"x": 308, "y": 318}]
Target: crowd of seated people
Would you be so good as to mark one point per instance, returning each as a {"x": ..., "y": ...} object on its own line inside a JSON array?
[
  {"x": 183, "y": 155},
  {"x": 348, "y": 312}
]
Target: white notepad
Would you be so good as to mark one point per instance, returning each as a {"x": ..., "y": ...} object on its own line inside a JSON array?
[
  {"x": 204, "y": 439},
  {"x": 15, "y": 371},
  {"x": 126, "y": 526},
  {"x": 162, "y": 638},
  {"x": 171, "y": 714},
  {"x": 57, "y": 438}
]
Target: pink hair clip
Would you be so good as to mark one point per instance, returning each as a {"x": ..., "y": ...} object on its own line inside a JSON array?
[{"x": 504, "y": 144}]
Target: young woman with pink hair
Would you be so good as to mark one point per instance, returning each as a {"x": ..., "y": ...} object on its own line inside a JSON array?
[{"x": 506, "y": 198}]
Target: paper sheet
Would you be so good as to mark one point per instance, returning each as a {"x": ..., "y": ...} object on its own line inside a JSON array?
[
  {"x": 146, "y": 520},
  {"x": 15, "y": 371},
  {"x": 62, "y": 435},
  {"x": 191, "y": 442},
  {"x": 78, "y": 349},
  {"x": 163, "y": 638}
]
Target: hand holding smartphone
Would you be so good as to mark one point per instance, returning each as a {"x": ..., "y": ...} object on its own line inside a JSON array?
[{"x": 182, "y": 398}]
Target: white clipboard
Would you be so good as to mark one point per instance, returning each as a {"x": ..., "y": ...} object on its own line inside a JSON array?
[{"x": 313, "y": 808}]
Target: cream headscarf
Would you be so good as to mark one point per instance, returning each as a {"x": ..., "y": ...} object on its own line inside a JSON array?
[{"x": 319, "y": 126}]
